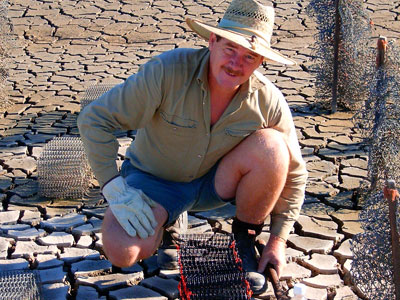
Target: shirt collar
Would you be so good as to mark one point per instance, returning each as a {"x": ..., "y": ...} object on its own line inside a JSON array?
[
  {"x": 202, "y": 75},
  {"x": 253, "y": 84},
  {"x": 256, "y": 82}
]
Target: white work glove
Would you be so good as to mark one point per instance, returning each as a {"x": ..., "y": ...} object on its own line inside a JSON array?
[{"x": 131, "y": 207}]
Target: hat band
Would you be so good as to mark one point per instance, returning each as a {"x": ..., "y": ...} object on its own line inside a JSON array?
[{"x": 235, "y": 26}]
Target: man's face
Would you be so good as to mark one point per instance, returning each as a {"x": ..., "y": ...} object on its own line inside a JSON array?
[{"x": 230, "y": 64}]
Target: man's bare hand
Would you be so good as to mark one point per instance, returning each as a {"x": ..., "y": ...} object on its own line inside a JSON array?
[{"x": 273, "y": 253}]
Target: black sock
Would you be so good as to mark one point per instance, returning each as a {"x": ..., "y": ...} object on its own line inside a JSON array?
[{"x": 240, "y": 226}]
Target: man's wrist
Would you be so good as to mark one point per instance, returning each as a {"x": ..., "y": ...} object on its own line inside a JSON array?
[
  {"x": 114, "y": 191},
  {"x": 281, "y": 226},
  {"x": 109, "y": 180},
  {"x": 276, "y": 240}
]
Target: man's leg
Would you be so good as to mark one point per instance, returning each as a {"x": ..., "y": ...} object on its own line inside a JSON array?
[
  {"x": 167, "y": 253},
  {"x": 254, "y": 173},
  {"x": 123, "y": 250}
]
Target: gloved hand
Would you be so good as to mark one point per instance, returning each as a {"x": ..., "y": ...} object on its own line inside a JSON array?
[{"x": 131, "y": 207}]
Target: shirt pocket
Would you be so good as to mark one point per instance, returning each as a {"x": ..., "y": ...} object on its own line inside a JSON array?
[
  {"x": 234, "y": 135},
  {"x": 165, "y": 144},
  {"x": 178, "y": 125},
  {"x": 174, "y": 136},
  {"x": 238, "y": 132}
]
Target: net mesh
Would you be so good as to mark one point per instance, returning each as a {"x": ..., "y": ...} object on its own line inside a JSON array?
[
  {"x": 353, "y": 51},
  {"x": 7, "y": 43},
  {"x": 210, "y": 268},
  {"x": 93, "y": 92},
  {"x": 63, "y": 169},
  {"x": 20, "y": 284},
  {"x": 372, "y": 267}
]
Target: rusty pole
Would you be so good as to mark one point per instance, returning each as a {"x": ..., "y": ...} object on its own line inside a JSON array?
[
  {"x": 392, "y": 195},
  {"x": 381, "y": 56},
  {"x": 381, "y": 47}
]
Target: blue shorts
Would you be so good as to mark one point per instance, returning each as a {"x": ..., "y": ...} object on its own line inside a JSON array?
[{"x": 176, "y": 197}]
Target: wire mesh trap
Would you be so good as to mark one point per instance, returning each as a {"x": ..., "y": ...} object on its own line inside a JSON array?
[
  {"x": 340, "y": 51},
  {"x": 372, "y": 268},
  {"x": 210, "y": 268},
  {"x": 7, "y": 43},
  {"x": 374, "y": 262},
  {"x": 63, "y": 169},
  {"x": 20, "y": 285},
  {"x": 93, "y": 92}
]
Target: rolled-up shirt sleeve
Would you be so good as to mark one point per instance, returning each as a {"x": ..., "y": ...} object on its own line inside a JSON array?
[
  {"x": 287, "y": 208},
  {"x": 127, "y": 106}
]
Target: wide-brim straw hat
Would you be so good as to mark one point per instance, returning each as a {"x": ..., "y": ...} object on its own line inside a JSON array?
[{"x": 247, "y": 23}]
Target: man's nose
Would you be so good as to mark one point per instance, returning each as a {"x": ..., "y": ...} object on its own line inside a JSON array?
[{"x": 236, "y": 61}]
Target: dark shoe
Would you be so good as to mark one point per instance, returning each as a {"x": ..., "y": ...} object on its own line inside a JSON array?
[
  {"x": 167, "y": 254},
  {"x": 245, "y": 244}
]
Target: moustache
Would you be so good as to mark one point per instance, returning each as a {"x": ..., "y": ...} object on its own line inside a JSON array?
[{"x": 232, "y": 72}]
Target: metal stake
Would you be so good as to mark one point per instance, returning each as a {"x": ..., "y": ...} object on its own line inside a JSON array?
[{"x": 392, "y": 195}]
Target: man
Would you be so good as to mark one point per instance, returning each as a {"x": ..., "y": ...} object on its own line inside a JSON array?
[{"x": 210, "y": 130}]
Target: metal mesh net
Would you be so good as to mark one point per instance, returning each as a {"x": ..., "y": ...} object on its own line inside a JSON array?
[
  {"x": 379, "y": 121},
  {"x": 353, "y": 51},
  {"x": 372, "y": 268},
  {"x": 93, "y": 92},
  {"x": 7, "y": 41},
  {"x": 210, "y": 268},
  {"x": 21, "y": 285},
  {"x": 63, "y": 169}
]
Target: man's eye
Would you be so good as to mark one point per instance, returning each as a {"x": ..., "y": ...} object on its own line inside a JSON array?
[
  {"x": 250, "y": 58},
  {"x": 229, "y": 50}
]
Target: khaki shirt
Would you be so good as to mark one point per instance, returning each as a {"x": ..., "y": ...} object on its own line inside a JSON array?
[{"x": 168, "y": 102}]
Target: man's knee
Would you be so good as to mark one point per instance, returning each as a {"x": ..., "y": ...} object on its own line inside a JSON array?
[
  {"x": 267, "y": 145},
  {"x": 115, "y": 245},
  {"x": 121, "y": 249}
]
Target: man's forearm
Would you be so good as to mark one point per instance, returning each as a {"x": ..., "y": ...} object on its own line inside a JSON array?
[
  {"x": 101, "y": 148},
  {"x": 287, "y": 209}
]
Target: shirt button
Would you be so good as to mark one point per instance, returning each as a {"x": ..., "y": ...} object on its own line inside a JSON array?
[
  {"x": 174, "y": 128},
  {"x": 199, "y": 156}
]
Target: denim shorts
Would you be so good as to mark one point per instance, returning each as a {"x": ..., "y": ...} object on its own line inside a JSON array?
[{"x": 176, "y": 197}]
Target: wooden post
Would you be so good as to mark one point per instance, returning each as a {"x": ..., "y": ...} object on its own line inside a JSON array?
[
  {"x": 336, "y": 58},
  {"x": 381, "y": 55},
  {"x": 392, "y": 195},
  {"x": 381, "y": 46}
]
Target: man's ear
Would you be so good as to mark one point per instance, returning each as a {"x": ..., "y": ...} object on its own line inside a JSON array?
[
  {"x": 262, "y": 61},
  {"x": 212, "y": 40}
]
